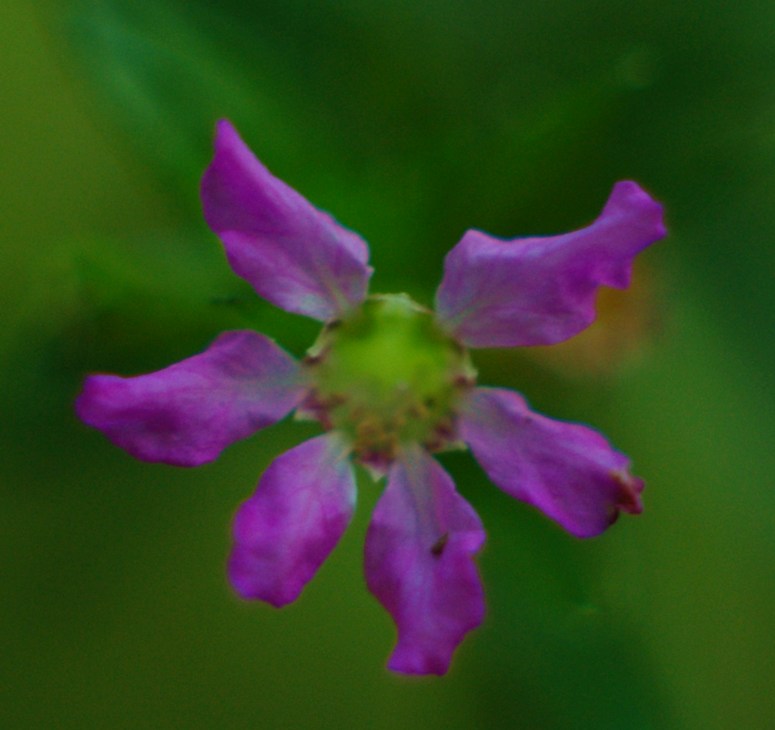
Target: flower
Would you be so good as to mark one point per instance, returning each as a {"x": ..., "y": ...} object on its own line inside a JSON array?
[{"x": 391, "y": 383}]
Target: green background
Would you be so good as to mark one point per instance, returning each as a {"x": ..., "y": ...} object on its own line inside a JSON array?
[{"x": 411, "y": 121}]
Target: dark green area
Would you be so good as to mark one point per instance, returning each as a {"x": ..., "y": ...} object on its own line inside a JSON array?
[{"x": 411, "y": 122}]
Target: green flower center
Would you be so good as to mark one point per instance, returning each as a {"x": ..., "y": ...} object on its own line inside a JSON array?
[{"x": 388, "y": 375}]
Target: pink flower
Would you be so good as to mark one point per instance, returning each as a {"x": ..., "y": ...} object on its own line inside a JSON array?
[{"x": 391, "y": 383}]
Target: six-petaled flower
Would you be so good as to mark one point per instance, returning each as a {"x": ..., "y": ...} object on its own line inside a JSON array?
[{"x": 391, "y": 383}]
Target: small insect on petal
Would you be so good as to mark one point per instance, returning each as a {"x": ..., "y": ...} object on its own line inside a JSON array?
[{"x": 438, "y": 547}]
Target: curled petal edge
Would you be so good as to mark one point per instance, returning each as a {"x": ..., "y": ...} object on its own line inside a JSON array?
[
  {"x": 541, "y": 290},
  {"x": 294, "y": 255},
  {"x": 187, "y": 413},
  {"x": 568, "y": 471},
  {"x": 419, "y": 563}
]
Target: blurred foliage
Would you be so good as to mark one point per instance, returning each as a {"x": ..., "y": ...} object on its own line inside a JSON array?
[{"x": 411, "y": 122}]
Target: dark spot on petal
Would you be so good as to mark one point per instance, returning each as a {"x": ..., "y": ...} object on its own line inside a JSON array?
[
  {"x": 629, "y": 488},
  {"x": 439, "y": 545}
]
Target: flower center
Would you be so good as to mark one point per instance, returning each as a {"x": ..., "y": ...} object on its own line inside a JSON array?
[{"x": 388, "y": 375}]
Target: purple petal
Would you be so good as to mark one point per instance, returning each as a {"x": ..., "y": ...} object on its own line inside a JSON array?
[
  {"x": 189, "y": 412},
  {"x": 568, "y": 471},
  {"x": 285, "y": 531},
  {"x": 539, "y": 291},
  {"x": 293, "y": 254},
  {"x": 419, "y": 564}
]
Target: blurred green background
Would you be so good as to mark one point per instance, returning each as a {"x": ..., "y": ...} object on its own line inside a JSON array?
[{"x": 411, "y": 121}]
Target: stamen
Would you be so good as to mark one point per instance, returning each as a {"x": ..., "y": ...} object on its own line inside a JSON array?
[{"x": 387, "y": 376}]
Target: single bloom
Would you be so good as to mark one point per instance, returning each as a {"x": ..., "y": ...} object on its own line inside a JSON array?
[{"x": 391, "y": 383}]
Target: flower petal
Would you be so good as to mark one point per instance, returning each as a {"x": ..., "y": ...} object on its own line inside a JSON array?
[
  {"x": 285, "y": 531},
  {"x": 419, "y": 564},
  {"x": 539, "y": 291},
  {"x": 568, "y": 471},
  {"x": 293, "y": 254},
  {"x": 189, "y": 412}
]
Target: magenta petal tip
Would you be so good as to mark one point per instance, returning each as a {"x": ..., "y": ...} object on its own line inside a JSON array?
[
  {"x": 286, "y": 530},
  {"x": 187, "y": 413},
  {"x": 294, "y": 255},
  {"x": 419, "y": 563},
  {"x": 568, "y": 471},
  {"x": 541, "y": 290}
]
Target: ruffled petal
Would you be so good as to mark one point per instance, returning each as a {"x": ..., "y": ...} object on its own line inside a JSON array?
[
  {"x": 189, "y": 412},
  {"x": 285, "y": 531},
  {"x": 568, "y": 471},
  {"x": 293, "y": 254},
  {"x": 419, "y": 564},
  {"x": 540, "y": 291}
]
